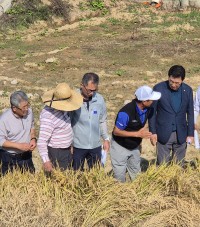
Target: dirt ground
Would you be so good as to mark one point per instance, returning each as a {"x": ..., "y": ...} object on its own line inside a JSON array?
[{"x": 132, "y": 46}]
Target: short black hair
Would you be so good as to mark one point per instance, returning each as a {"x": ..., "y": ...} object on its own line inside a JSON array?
[
  {"x": 138, "y": 101},
  {"x": 90, "y": 77},
  {"x": 177, "y": 71}
]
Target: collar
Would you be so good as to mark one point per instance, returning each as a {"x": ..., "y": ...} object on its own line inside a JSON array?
[
  {"x": 87, "y": 100},
  {"x": 139, "y": 111},
  {"x": 91, "y": 99},
  {"x": 15, "y": 115},
  {"x": 18, "y": 117}
]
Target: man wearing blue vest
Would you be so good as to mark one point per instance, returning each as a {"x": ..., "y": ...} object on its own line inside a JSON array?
[
  {"x": 172, "y": 124},
  {"x": 128, "y": 132}
]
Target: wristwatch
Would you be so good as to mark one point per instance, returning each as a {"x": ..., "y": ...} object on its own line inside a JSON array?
[
  {"x": 108, "y": 139},
  {"x": 34, "y": 138}
]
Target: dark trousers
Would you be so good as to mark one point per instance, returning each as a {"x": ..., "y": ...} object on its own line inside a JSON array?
[
  {"x": 60, "y": 157},
  {"x": 93, "y": 157},
  {"x": 171, "y": 151},
  {"x": 9, "y": 162}
]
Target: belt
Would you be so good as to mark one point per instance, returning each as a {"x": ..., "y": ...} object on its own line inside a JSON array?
[
  {"x": 20, "y": 155},
  {"x": 61, "y": 148}
]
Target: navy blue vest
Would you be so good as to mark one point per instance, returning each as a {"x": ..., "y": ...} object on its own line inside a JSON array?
[{"x": 134, "y": 124}]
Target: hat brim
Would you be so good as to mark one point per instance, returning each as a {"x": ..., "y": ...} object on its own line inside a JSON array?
[
  {"x": 155, "y": 95},
  {"x": 73, "y": 103}
]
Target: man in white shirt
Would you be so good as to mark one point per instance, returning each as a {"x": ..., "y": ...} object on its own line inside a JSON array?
[
  {"x": 196, "y": 114},
  {"x": 17, "y": 135}
]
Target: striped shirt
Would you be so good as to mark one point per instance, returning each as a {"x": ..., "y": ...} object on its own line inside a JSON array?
[{"x": 55, "y": 131}]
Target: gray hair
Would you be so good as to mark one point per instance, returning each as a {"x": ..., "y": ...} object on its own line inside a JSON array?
[
  {"x": 90, "y": 77},
  {"x": 17, "y": 97}
]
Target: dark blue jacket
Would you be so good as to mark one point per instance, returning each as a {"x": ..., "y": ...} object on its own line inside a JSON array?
[{"x": 164, "y": 114}]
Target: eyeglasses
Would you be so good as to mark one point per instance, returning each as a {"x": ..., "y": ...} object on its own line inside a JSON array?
[
  {"x": 25, "y": 107},
  {"x": 89, "y": 90}
]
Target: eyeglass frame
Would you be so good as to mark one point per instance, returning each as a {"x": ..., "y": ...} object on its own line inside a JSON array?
[
  {"x": 24, "y": 107},
  {"x": 89, "y": 90}
]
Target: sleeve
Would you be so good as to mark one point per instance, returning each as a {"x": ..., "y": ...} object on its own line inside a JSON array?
[
  {"x": 197, "y": 104},
  {"x": 152, "y": 117},
  {"x": 122, "y": 120},
  {"x": 71, "y": 114},
  {"x": 46, "y": 129},
  {"x": 190, "y": 114},
  {"x": 153, "y": 113},
  {"x": 103, "y": 121},
  {"x": 3, "y": 132},
  {"x": 33, "y": 123}
]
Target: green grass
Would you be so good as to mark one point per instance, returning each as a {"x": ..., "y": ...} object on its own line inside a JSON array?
[
  {"x": 22, "y": 15},
  {"x": 193, "y": 17},
  {"x": 120, "y": 72},
  {"x": 94, "y": 5},
  {"x": 114, "y": 21}
]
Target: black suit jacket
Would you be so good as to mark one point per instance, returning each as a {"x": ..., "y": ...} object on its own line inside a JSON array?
[{"x": 164, "y": 114}]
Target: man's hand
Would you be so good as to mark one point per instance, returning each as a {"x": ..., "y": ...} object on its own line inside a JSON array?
[
  {"x": 32, "y": 144},
  {"x": 48, "y": 166},
  {"x": 190, "y": 139},
  {"x": 106, "y": 145},
  {"x": 196, "y": 127},
  {"x": 23, "y": 147},
  {"x": 144, "y": 133},
  {"x": 153, "y": 139},
  {"x": 72, "y": 149}
]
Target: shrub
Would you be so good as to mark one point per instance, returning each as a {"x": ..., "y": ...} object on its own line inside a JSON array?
[{"x": 23, "y": 13}]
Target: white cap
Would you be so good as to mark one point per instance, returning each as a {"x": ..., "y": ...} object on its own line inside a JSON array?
[{"x": 145, "y": 93}]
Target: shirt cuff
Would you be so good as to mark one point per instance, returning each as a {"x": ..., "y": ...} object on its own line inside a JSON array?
[
  {"x": 107, "y": 138},
  {"x": 45, "y": 158}
]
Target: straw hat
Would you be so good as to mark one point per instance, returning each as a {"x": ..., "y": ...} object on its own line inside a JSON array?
[{"x": 63, "y": 98}]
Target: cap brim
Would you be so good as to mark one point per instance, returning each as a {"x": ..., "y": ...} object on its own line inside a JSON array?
[
  {"x": 155, "y": 95},
  {"x": 73, "y": 103}
]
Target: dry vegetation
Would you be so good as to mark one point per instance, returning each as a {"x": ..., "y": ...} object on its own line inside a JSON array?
[
  {"x": 162, "y": 197},
  {"x": 128, "y": 45}
]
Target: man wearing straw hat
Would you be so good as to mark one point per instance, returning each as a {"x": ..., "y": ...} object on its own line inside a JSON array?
[
  {"x": 89, "y": 125},
  {"x": 56, "y": 135}
]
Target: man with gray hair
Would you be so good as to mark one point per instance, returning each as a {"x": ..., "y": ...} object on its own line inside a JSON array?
[
  {"x": 17, "y": 135},
  {"x": 89, "y": 125}
]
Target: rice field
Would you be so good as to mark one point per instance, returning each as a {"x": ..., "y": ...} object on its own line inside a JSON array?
[{"x": 161, "y": 196}]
